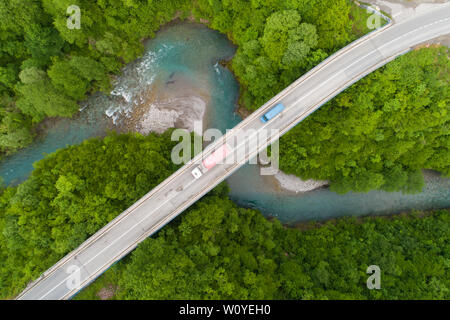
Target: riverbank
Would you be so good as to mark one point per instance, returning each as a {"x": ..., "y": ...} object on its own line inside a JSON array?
[
  {"x": 309, "y": 225},
  {"x": 289, "y": 182},
  {"x": 345, "y": 244},
  {"x": 173, "y": 59},
  {"x": 187, "y": 87},
  {"x": 251, "y": 190},
  {"x": 172, "y": 104},
  {"x": 173, "y": 84}
]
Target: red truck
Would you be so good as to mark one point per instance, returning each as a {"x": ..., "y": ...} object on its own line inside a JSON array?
[{"x": 217, "y": 156}]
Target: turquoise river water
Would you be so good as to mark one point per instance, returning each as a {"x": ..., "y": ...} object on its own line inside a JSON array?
[{"x": 190, "y": 53}]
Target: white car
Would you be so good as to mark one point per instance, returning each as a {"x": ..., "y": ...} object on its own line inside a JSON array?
[{"x": 197, "y": 173}]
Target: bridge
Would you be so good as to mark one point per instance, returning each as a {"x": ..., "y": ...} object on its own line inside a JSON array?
[{"x": 162, "y": 204}]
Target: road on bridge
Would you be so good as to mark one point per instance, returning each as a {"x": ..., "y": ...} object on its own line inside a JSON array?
[{"x": 181, "y": 190}]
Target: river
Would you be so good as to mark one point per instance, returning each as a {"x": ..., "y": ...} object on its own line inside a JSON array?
[{"x": 173, "y": 68}]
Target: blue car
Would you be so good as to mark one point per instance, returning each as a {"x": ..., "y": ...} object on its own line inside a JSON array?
[{"x": 272, "y": 112}]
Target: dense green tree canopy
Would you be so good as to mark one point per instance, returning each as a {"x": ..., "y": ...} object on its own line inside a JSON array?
[
  {"x": 14, "y": 126},
  {"x": 70, "y": 195},
  {"x": 34, "y": 36},
  {"x": 46, "y": 68},
  {"x": 219, "y": 251},
  {"x": 215, "y": 249},
  {"x": 286, "y": 41},
  {"x": 38, "y": 97},
  {"x": 279, "y": 40},
  {"x": 380, "y": 132},
  {"x": 376, "y": 135}
]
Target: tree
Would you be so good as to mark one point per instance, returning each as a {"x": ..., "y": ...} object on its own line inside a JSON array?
[
  {"x": 14, "y": 131},
  {"x": 39, "y": 98},
  {"x": 380, "y": 132},
  {"x": 66, "y": 79},
  {"x": 70, "y": 195},
  {"x": 286, "y": 41},
  {"x": 43, "y": 43}
]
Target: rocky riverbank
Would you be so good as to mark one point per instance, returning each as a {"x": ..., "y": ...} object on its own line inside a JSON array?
[
  {"x": 173, "y": 104},
  {"x": 289, "y": 182}
]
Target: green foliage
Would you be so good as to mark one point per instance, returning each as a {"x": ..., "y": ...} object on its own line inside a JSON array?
[
  {"x": 38, "y": 97},
  {"x": 70, "y": 195},
  {"x": 215, "y": 250},
  {"x": 286, "y": 41},
  {"x": 14, "y": 127},
  {"x": 47, "y": 68},
  {"x": 43, "y": 43},
  {"x": 73, "y": 77},
  {"x": 381, "y": 132},
  {"x": 66, "y": 79},
  {"x": 278, "y": 40},
  {"x": 219, "y": 251},
  {"x": 376, "y": 135},
  {"x": 331, "y": 18}
]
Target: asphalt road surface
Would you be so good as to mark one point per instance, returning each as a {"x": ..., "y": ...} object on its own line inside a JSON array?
[{"x": 181, "y": 190}]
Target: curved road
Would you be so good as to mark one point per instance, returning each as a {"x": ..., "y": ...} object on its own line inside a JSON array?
[{"x": 180, "y": 190}]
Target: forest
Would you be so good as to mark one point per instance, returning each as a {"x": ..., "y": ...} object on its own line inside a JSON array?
[
  {"x": 46, "y": 68},
  {"x": 378, "y": 134},
  {"x": 70, "y": 195},
  {"x": 215, "y": 250}
]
